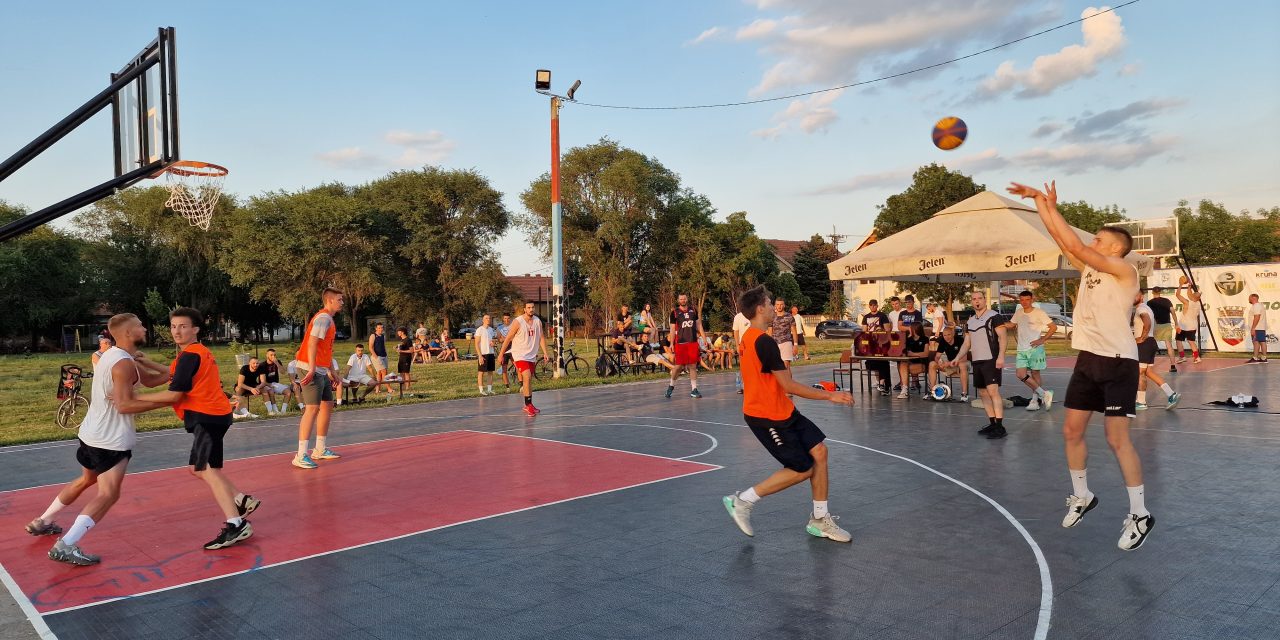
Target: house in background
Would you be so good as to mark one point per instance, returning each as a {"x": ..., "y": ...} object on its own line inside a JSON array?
[
  {"x": 785, "y": 252},
  {"x": 535, "y": 289}
]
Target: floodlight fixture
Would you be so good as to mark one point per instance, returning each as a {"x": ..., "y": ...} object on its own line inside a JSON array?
[
  {"x": 542, "y": 80},
  {"x": 576, "y": 84}
]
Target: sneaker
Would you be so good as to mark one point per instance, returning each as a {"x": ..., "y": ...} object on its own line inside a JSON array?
[
  {"x": 1047, "y": 399},
  {"x": 897, "y": 387},
  {"x": 247, "y": 506},
  {"x": 1196, "y": 361},
  {"x": 1173, "y": 400},
  {"x": 695, "y": 394},
  {"x": 1252, "y": 361},
  {"x": 1181, "y": 359},
  {"x": 997, "y": 433},
  {"x": 741, "y": 512},
  {"x": 826, "y": 527},
  {"x": 39, "y": 527},
  {"x": 739, "y": 391},
  {"x": 1135, "y": 531},
  {"x": 1076, "y": 508},
  {"x": 1034, "y": 405},
  {"x": 1173, "y": 369},
  {"x": 987, "y": 429},
  {"x": 925, "y": 396},
  {"x": 902, "y": 395},
  {"x": 964, "y": 397},
  {"x": 230, "y": 535},
  {"x": 670, "y": 390},
  {"x": 304, "y": 461},
  {"x": 326, "y": 454},
  {"x": 530, "y": 411},
  {"x": 252, "y": 415},
  {"x": 1140, "y": 406},
  {"x": 239, "y": 416},
  {"x": 72, "y": 554}
]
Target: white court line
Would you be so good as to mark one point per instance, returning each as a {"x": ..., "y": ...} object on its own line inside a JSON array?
[
  {"x": 33, "y": 616},
  {"x": 714, "y": 443},
  {"x": 709, "y": 467}
]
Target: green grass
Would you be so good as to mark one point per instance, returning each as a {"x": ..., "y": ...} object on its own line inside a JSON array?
[{"x": 28, "y": 403}]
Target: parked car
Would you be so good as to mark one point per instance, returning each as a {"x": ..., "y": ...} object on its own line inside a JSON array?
[
  {"x": 466, "y": 332},
  {"x": 339, "y": 334},
  {"x": 836, "y": 329},
  {"x": 1064, "y": 326}
]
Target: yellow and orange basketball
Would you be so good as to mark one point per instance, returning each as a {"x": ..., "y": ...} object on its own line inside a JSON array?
[{"x": 949, "y": 133}]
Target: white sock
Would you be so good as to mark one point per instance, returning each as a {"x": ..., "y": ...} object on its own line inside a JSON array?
[
  {"x": 320, "y": 444},
  {"x": 82, "y": 526},
  {"x": 1168, "y": 390},
  {"x": 1080, "y": 484},
  {"x": 490, "y": 389},
  {"x": 1142, "y": 396},
  {"x": 1039, "y": 392},
  {"x": 480, "y": 387},
  {"x": 235, "y": 522},
  {"x": 271, "y": 408},
  {"x": 54, "y": 508},
  {"x": 820, "y": 509},
  {"x": 302, "y": 448},
  {"x": 749, "y": 496},
  {"x": 1137, "y": 503}
]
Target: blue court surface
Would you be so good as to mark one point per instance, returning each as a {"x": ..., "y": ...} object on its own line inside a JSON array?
[{"x": 954, "y": 536}]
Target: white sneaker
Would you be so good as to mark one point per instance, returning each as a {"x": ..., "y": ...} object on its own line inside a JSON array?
[
  {"x": 1034, "y": 405},
  {"x": 1076, "y": 508},
  {"x": 903, "y": 395},
  {"x": 964, "y": 397},
  {"x": 741, "y": 511},
  {"x": 826, "y": 527},
  {"x": 239, "y": 416},
  {"x": 1135, "y": 531},
  {"x": 252, "y": 415},
  {"x": 1047, "y": 399}
]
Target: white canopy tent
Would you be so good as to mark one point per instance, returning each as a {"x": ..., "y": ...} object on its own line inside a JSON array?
[{"x": 983, "y": 238}]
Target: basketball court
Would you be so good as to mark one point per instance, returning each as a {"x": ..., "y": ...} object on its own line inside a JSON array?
[{"x": 601, "y": 517}]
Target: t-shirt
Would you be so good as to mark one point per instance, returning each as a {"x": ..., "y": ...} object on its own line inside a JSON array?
[
  {"x": 782, "y": 324},
  {"x": 1162, "y": 309},
  {"x": 1031, "y": 324},
  {"x": 421, "y": 333},
  {"x": 1138, "y": 312},
  {"x": 948, "y": 349},
  {"x": 907, "y": 318},
  {"x": 292, "y": 368},
  {"x": 624, "y": 318},
  {"x": 484, "y": 340},
  {"x": 1189, "y": 319},
  {"x": 406, "y": 351},
  {"x": 917, "y": 345},
  {"x": 195, "y": 373},
  {"x": 939, "y": 320},
  {"x": 984, "y": 341},
  {"x": 359, "y": 363},
  {"x": 527, "y": 340},
  {"x": 252, "y": 378},
  {"x": 893, "y": 319},
  {"x": 877, "y": 321},
  {"x": 503, "y": 330},
  {"x": 272, "y": 369},
  {"x": 686, "y": 323},
  {"x": 799, "y": 324},
  {"x": 740, "y": 325},
  {"x": 762, "y": 397},
  {"x": 1260, "y": 310}
]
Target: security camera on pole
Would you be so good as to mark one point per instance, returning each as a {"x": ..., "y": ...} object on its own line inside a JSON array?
[{"x": 542, "y": 84}]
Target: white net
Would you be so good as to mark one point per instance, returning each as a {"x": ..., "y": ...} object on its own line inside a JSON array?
[{"x": 194, "y": 188}]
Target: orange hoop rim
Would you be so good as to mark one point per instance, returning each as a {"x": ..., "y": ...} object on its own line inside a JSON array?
[{"x": 194, "y": 168}]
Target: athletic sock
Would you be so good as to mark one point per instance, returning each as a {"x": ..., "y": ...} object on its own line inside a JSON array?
[
  {"x": 991, "y": 420},
  {"x": 1137, "y": 502},
  {"x": 1039, "y": 392},
  {"x": 271, "y": 407},
  {"x": 1080, "y": 484},
  {"x": 490, "y": 388},
  {"x": 749, "y": 496},
  {"x": 320, "y": 443},
  {"x": 1142, "y": 396},
  {"x": 235, "y": 522},
  {"x": 820, "y": 509},
  {"x": 480, "y": 387},
  {"x": 302, "y": 448},
  {"x": 999, "y": 422},
  {"x": 54, "y": 508},
  {"x": 82, "y": 526},
  {"x": 528, "y": 400}
]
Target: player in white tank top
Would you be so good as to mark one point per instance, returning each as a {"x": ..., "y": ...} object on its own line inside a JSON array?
[{"x": 1106, "y": 374}]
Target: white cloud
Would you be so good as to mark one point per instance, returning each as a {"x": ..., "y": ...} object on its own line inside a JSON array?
[
  {"x": 713, "y": 32},
  {"x": 758, "y": 29},
  {"x": 1131, "y": 69},
  {"x": 416, "y": 149},
  {"x": 810, "y": 115},
  {"x": 771, "y": 132},
  {"x": 1103, "y": 39},
  {"x": 349, "y": 158}
]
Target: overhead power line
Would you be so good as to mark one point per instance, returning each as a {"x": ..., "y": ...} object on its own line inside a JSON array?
[{"x": 857, "y": 84}]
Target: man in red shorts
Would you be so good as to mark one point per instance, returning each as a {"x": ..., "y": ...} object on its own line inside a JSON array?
[
  {"x": 524, "y": 338},
  {"x": 686, "y": 328}
]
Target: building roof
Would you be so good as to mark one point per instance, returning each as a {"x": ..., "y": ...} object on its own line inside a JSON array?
[
  {"x": 786, "y": 250},
  {"x": 532, "y": 288}
]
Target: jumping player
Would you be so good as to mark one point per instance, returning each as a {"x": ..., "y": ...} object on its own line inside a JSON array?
[
  {"x": 792, "y": 439},
  {"x": 319, "y": 379},
  {"x": 1144, "y": 334},
  {"x": 686, "y": 328},
  {"x": 1105, "y": 378},
  {"x": 106, "y": 436},
  {"x": 523, "y": 339}
]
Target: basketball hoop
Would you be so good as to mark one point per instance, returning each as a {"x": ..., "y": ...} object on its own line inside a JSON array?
[{"x": 194, "y": 188}]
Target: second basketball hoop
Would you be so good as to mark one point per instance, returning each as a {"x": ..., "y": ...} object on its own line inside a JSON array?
[{"x": 194, "y": 189}]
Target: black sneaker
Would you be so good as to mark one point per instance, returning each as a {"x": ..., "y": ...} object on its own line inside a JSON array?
[
  {"x": 248, "y": 505},
  {"x": 1173, "y": 369},
  {"x": 897, "y": 387},
  {"x": 230, "y": 535},
  {"x": 987, "y": 429},
  {"x": 997, "y": 433},
  {"x": 669, "y": 390}
]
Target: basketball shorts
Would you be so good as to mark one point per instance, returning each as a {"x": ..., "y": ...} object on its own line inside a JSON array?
[
  {"x": 686, "y": 353},
  {"x": 1186, "y": 335},
  {"x": 1033, "y": 358},
  {"x": 1106, "y": 385},
  {"x": 320, "y": 390},
  {"x": 1147, "y": 352},
  {"x": 206, "y": 444},
  {"x": 379, "y": 363},
  {"x": 1164, "y": 333},
  {"x": 1260, "y": 336},
  {"x": 524, "y": 365},
  {"x": 277, "y": 387},
  {"x": 359, "y": 380},
  {"x": 100, "y": 460},
  {"x": 404, "y": 365},
  {"x": 788, "y": 441},
  {"x": 800, "y": 340},
  {"x": 487, "y": 364},
  {"x": 788, "y": 350},
  {"x": 985, "y": 373}
]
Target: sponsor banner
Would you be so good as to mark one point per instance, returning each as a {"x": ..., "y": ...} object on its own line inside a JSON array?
[{"x": 1226, "y": 290}]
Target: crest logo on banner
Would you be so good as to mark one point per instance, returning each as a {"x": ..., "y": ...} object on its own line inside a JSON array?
[
  {"x": 1231, "y": 326},
  {"x": 1229, "y": 283}
]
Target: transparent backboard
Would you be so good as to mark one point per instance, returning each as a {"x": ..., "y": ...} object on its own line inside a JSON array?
[
  {"x": 145, "y": 109},
  {"x": 1156, "y": 237}
]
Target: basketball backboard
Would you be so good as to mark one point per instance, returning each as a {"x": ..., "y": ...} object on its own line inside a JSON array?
[{"x": 1156, "y": 237}]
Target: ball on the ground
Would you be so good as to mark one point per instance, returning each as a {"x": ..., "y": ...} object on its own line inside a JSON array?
[{"x": 949, "y": 133}]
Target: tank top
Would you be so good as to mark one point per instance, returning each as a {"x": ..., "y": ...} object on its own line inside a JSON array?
[
  {"x": 324, "y": 350},
  {"x": 104, "y": 426},
  {"x": 1102, "y": 315},
  {"x": 206, "y": 394},
  {"x": 380, "y": 345}
]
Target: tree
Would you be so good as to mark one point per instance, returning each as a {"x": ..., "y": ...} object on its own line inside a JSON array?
[
  {"x": 41, "y": 280},
  {"x": 1210, "y": 234},
  {"x": 837, "y": 304},
  {"x": 1087, "y": 217},
  {"x": 747, "y": 260},
  {"x": 811, "y": 272},
  {"x": 783, "y": 286}
]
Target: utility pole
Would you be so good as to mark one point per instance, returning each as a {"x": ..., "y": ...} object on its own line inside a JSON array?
[{"x": 542, "y": 84}]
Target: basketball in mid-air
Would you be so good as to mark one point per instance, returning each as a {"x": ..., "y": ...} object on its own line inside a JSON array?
[{"x": 949, "y": 133}]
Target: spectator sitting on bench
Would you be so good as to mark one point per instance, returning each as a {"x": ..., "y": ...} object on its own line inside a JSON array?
[
  {"x": 724, "y": 350},
  {"x": 618, "y": 340},
  {"x": 274, "y": 387},
  {"x": 917, "y": 348},
  {"x": 448, "y": 352},
  {"x": 946, "y": 348},
  {"x": 251, "y": 381},
  {"x": 357, "y": 374}
]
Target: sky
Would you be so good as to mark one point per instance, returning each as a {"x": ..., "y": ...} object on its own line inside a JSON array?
[{"x": 1159, "y": 101}]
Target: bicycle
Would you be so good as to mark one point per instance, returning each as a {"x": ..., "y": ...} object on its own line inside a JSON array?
[
  {"x": 573, "y": 365},
  {"x": 74, "y": 403}
]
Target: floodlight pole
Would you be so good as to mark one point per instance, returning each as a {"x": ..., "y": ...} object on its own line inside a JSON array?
[{"x": 557, "y": 256}]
